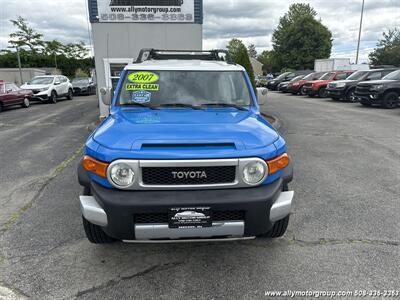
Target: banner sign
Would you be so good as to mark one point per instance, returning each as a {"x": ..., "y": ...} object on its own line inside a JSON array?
[{"x": 146, "y": 11}]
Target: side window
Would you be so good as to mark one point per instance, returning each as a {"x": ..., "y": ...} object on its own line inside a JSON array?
[
  {"x": 64, "y": 79},
  {"x": 10, "y": 87},
  {"x": 14, "y": 87},
  {"x": 375, "y": 76}
]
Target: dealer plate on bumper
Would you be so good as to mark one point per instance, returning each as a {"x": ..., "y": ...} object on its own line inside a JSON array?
[{"x": 190, "y": 217}]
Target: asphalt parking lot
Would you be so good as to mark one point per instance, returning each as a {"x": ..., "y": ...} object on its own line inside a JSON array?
[{"x": 344, "y": 233}]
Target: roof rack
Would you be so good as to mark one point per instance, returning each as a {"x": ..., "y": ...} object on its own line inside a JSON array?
[{"x": 216, "y": 55}]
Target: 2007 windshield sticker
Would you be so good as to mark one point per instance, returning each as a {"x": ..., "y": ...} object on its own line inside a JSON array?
[
  {"x": 143, "y": 81},
  {"x": 141, "y": 97}
]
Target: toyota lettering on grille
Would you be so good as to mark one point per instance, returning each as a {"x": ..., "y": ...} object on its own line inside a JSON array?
[{"x": 189, "y": 174}]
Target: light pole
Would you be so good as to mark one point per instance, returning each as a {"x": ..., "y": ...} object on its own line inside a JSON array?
[
  {"x": 19, "y": 65},
  {"x": 359, "y": 32}
]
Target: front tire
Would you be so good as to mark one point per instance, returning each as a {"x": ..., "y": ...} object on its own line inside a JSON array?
[
  {"x": 390, "y": 100},
  {"x": 53, "y": 97},
  {"x": 322, "y": 92},
  {"x": 278, "y": 229},
  {"x": 303, "y": 91},
  {"x": 70, "y": 94},
  {"x": 95, "y": 234},
  {"x": 350, "y": 96},
  {"x": 26, "y": 103}
]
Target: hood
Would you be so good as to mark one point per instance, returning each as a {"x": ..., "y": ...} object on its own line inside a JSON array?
[
  {"x": 34, "y": 86},
  {"x": 133, "y": 129},
  {"x": 376, "y": 82}
]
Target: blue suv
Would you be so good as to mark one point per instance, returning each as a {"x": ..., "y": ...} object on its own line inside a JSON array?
[{"x": 184, "y": 155}]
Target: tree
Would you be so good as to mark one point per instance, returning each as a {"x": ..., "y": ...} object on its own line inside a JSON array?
[
  {"x": 252, "y": 51},
  {"x": 267, "y": 58},
  {"x": 238, "y": 54},
  {"x": 78, "y": 51},
  {"x": 387, "y": 51},
  {"x": 25, "y": 36},
  {"x": 300, "y": 38},
  {"x": 53, "y": 48}
]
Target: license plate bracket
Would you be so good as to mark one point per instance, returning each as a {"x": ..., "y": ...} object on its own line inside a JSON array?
[{"x": 190, "y": 217}]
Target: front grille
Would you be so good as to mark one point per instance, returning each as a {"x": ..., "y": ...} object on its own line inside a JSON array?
[
  {"x": 188, "y": 175},
  {"x": 35, "y": 91},
  {"x": 226, "y": 215},
  {"x": 363, "y": 89}
]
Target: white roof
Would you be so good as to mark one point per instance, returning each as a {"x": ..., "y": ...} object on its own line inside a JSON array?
[{"x": 184, "y": 65}]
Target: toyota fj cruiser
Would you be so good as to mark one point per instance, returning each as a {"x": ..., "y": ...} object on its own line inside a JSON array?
[{"x": 184, "y": 156}]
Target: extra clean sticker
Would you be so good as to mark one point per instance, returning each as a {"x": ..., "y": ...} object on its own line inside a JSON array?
[
  {"x": 141, "y": 97},
  {"x": 143, "y": 81},
  {"x": 142, "y": 87}
]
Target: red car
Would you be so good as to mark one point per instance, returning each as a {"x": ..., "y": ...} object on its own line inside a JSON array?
[
  {"x": 296, "y": 87},
  {"x": 318, "y": 87},
  {"x": 11, "y": 95}
]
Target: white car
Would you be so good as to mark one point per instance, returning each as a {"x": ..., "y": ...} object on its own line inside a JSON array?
[{"x": 50, "y": 88}]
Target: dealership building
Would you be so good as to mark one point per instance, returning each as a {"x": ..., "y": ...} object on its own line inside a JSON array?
[{"x": 121, "y": 28}]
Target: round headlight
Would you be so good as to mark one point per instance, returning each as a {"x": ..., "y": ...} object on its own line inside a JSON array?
[
  {"x": 254, "y": 172},
  {"x": 122, "y": 175}
]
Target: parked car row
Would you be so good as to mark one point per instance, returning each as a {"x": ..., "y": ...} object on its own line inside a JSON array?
[
  {"x": 49, "y": 88},
  {"x": 372, "y": 87},
  {"x": 285, "y": 77}
]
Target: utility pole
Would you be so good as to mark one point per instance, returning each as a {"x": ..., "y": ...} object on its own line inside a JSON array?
[
  {"x": 359, "y": 32},
  {"x": 19, "y": 66}
]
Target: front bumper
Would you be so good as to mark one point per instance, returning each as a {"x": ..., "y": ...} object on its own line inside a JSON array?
[
  {"x": 336, "y": 93},
  {"x": 310, "y": 91},
  {"x": 116, "y": 211},
  {"x": 370, "y": 98},
  {"x": 42, "y": 96}
]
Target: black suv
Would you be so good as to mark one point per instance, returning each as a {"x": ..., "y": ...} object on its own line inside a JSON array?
[
  {"x": 287, "y": 76},
  {"x": 344, "y": 89},
  {"x": 385, "y": 92}
]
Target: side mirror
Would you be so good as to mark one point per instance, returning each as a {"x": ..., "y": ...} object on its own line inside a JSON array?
[
  {"x": 262, "y": 94},
  {"x": 57, "y": 83},
  {"x": 9, "y": 91},
  {"x": 105, "y": 94}
]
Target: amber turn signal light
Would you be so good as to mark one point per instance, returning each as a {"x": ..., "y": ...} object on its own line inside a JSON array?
[
  {"x": 279, "y": 163},
  {"x": 93, "y": 165}
]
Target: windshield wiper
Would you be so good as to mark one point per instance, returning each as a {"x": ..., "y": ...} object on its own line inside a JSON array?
[
  {"x": 180, "y": 105},
  {"x": 225, "y": 105},
  {"x": 140, "y": 105}
]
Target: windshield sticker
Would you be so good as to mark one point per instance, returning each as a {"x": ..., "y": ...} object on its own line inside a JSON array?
[
  {"x": 142, "y": 87},
  {"x": 141, "y": 97},
  {"x": 143, "y": 77}
]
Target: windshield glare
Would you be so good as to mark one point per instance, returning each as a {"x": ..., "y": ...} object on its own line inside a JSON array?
[
  {"x": 194, "y": 88},
  {"x": 297, "y": 78},
  {"x": 41, "y": 80},
  {"x": 282, "y": 75},
  {"x": 392, "y": 76},
  {"x": 327, "y": 76},
  {"x": 80, "y": 80},
  {"x": 357, "y": 75}
]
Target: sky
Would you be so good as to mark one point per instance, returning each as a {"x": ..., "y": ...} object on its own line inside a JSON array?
[{"x": 253, "y": 21}]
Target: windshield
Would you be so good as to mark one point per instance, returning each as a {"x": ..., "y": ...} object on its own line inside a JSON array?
[
  {"x": 41, "y": 80},
  {"x": 282, "y": 75},
  {"x": 180, "y": 88},
  {"x": 357, "y": 75},
  {"x": 80, "y": 80},
  {"x": 392, "y": 76},
  {"x": 327, "y": 76},
  {"x": 297, "y": 78}
]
